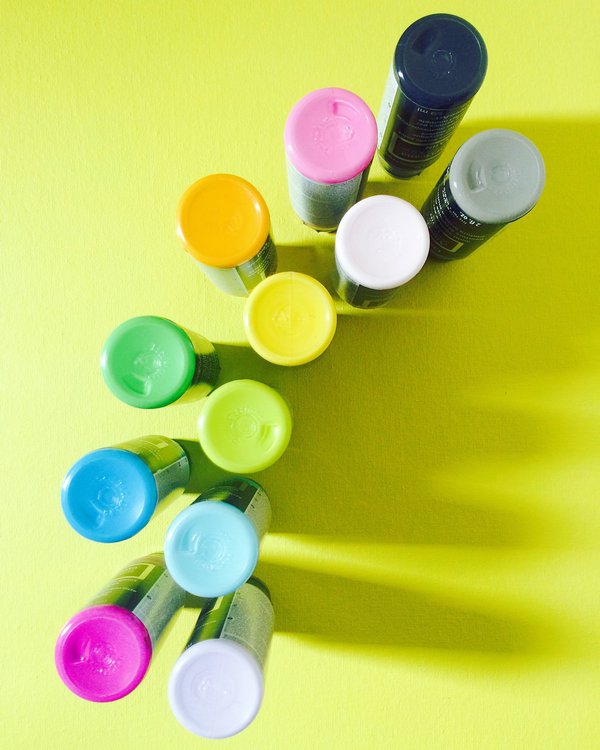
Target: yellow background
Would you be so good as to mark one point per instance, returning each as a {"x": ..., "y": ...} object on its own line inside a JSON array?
[{"x": 434, "y": 557}]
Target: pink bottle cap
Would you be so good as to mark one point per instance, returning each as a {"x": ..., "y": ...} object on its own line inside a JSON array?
[
  {"x": 330, "y": 135},
  {"x": 102, "y": 653}
]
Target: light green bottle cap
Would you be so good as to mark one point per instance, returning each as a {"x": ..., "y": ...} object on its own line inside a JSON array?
[
  {"x": 148, "y": 362},
  {"x": 244, "y": 426}
]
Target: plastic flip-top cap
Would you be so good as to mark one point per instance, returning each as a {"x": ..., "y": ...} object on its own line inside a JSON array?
[
  {"x": 215, "y": 688},
  {"x": 148, "y": 362},
  {"x": 382, "y": 242},
  {"x": 244, "y": 426},
  {"x": 109, "y": 495},
  {"x": 103, "y": 653},
  {"x": 497, "y": 176},
  {"x": 330, "y": 135},
  {"x": 211, "y": 548},
  {"x": 223, "y": 221},
  {"x": 290, "y": 318},
  {"x": 441, "y": 60}
]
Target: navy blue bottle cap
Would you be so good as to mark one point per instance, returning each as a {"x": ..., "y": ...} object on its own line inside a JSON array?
[{"x": 440, "y": 61}]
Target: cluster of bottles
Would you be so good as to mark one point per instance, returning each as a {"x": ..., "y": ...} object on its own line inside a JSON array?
[{"x": 211, "y": 548}]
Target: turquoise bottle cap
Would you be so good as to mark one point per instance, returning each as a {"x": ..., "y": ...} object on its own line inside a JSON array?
[
  {"x": 109, "y": 495},
  {"x": 244, "y": 426},
  {"x": 148, "y": 362},
  {"x": 497, "y": 176},
  {"x": 211, "y": 548}
]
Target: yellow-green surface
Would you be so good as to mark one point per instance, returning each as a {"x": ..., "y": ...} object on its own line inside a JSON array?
[{"x": 435, "y": 555}]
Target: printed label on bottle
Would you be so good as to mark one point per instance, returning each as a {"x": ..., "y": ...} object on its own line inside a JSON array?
[
  {"x": 165, "y": 458},
  {"x": 145, "y": 588},
  {"x": 207, "y": 362},
  {"x": 453, "y": 233},
  {"x": 159, "y": 605},
  {"x": 173, "y": 478},
  {"x": 258, "y": 268},
  {"x": 359, "y": 296},
  {"x": 226, "y": 279},
  {"x": 245, "y": 617},
  {"x": 387, "y": 103},
  {"x": 411, "y": 136},
  {"x": 248, "y": 497},
  {"x": 320, "y": 205},
  {"x": 242, "y": 279}
]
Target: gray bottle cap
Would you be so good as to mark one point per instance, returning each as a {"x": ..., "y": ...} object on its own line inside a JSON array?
[{"x": 497, "y": 176}]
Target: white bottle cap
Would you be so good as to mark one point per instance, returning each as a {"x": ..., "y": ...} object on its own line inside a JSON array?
[
  {"x": 215, "y": 688},
  {"x": 382, "y": 242}
]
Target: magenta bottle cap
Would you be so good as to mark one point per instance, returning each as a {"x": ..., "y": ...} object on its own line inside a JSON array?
[
  {"x": 330, "y": 135},
  {"x": 102, "y": 653}
]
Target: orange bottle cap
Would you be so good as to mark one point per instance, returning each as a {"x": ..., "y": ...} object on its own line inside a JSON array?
[{"x": 223, "y": 221}]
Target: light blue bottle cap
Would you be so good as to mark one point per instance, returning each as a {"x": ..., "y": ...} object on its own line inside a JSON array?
[
  {"x": 109, "y": 495},
  {"x": 211, "y": 548}
]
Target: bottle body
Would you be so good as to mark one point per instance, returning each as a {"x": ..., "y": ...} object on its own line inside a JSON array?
[
  {"x": 240, "y": 280},
  {"x": 104, "y": 651},
  {"x": 211, "y": 547},
  {"x": 227, "y": 650},
  {"x": 110, "y": 494},
  {"x": 495, "y": 178},
  {"x": 438, "y": 66},
  {"x": 330, "y": 139}
]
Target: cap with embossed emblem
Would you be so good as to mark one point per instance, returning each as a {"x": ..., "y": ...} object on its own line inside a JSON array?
[
  {"x": 103, "y": 653},
  {"x": 216, "y": 688},
  {"x": 244, "y": 426},
  {"x": 382, "y": 242},
  {"x": 223, "y": 220},
  {"x": 109, "y": 495},
  {"x": 148, "y": 362},
  {"x": 290, "y": 318},
  {"x": 497, "y": 176},
  {"x": 330, "y": 135},
  {"x": 211, "y": 548}
]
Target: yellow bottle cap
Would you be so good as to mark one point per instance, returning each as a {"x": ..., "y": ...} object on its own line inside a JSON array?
[
  {"x": 223, "y": 221},
  {"x": 290, "y": 318}
]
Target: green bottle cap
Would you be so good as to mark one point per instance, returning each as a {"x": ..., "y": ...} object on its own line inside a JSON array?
[
  {"x": 148, "y": 362},
  {"x": 244, "y": 426}
]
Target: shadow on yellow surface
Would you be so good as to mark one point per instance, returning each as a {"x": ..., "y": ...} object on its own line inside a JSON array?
[
  {"x": 344, "y": 611},
  {"x": 570, "y": 152},
  {"x": 441, "y": 445}
]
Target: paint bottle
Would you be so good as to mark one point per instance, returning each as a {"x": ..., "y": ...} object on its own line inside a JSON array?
[
  {"x": 381, "y": 243},
  {"x": 244, "y": 426},
  {"x": 103, "y": 652},
  {"x": 224, "y": 223},
  {"x": 211, "y": 547},
  {"x": 216, "y": 686},
  {"x": 149, "y": 362},
  {"x": 495, "y": 178},
  {"x": 330, "y": 139},
  {"x": 290, "y": 319},
  {"x": 438, "y": 67},
  {"x": 110, "y": 494}
]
